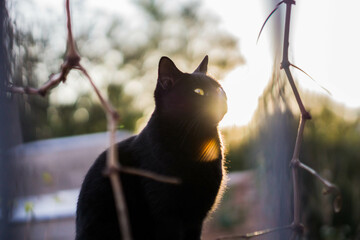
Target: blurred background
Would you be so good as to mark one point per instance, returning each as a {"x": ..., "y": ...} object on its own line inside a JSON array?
[{"x": 48, "y": 143}]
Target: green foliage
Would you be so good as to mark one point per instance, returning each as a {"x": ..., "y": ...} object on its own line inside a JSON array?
[
  {"x": 29, "y": 207},
  {"x": 85, "y": 116},
  {"x": 47, "y": 178},
  {"x": 230, "y": 214},
  {"x": 238, "y": 149}
]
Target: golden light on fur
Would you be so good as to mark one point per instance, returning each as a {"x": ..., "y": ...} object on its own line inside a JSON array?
[{"x": 210, "y": 150}]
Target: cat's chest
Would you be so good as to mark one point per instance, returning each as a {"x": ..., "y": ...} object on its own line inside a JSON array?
[
  {"x": 198, "y": 163},
  {"x": 200, "y": 179}
]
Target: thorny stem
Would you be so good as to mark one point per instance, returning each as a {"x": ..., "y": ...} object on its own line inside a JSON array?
[
  {"x": 296, "y": 226},
  {"x": 304, "y": 115},
  {"x": 295, "y": 162}
]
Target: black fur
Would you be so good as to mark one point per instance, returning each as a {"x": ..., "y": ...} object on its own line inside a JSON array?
[{"x": 181, "y": 139}]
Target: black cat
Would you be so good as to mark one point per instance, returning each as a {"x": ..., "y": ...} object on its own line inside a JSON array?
[{"x": 181, "y": 140}]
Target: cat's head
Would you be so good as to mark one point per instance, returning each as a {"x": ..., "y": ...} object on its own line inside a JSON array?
[{"x": 190, "y": 96}]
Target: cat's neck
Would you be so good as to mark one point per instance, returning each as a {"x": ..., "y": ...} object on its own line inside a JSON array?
[
  {"x": 185, "y": 133},
  {"x": 199, "y": 141},
  {"x": 183, "y": 127}
]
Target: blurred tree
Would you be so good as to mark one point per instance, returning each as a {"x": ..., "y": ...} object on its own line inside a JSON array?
[
  {"x": 121, "y": 53},
  {"x": 330, "y": 146}
]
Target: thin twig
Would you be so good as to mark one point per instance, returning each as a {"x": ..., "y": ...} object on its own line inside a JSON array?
[
  {"x": 329, "y": 187},
  {"x": 328, "y": 184},
  {"x": 257, "y": 233},
  {"x": 144, "y": 173},
  {"x": 150, "y": 175},
  {"x": 106, "y": 105},
  {"x": 325, "y": 89}
]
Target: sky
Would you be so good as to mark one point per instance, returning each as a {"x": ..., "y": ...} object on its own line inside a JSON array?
[{"x": 324, "y": 42}]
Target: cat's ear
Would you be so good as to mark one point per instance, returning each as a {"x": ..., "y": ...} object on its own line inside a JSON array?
[
  {"x": 168, "y": 72},
  {"x": 202, "y": 68}
]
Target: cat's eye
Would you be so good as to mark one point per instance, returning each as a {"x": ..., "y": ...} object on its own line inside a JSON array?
[{"x": 199, "y": 91}]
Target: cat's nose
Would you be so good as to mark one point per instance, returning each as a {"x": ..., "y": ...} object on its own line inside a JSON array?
[
  {"x": 221, "y": 103},
  {"x": 222, "y": 100}
]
